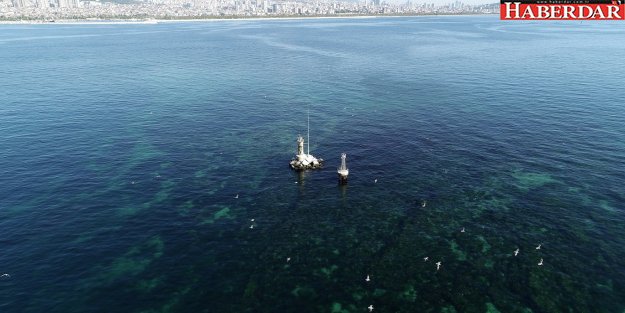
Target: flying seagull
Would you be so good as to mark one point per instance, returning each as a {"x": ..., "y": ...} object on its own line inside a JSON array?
[
  {"x": 375, "y": 181},
  {"x": 516, "y": 252},
  {"x": 424, "y": 203},
  {"x": 426, "y": 259},
  {"x": 288, "y": 259},
  {"x": 538, "y": 248},
  {"x": 367, "y": 279},
  {"x": 370, "y": 307},
  {"x": 251, "y": 226},
  {"x": 462, "y": 231},
  {"x": 438, "y": 265},
  {"x": 541, "y": 262},
  {"x": 5, "y": 275}
]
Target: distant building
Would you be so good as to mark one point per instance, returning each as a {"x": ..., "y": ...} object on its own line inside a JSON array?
[
  {"x": 20, "y": 3},
  {"x": 68, "y": 3},
  {"x": 92, "y": 3}
]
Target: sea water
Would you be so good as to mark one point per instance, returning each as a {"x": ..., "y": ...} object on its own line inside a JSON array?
[{"x": 123, "y": 149}]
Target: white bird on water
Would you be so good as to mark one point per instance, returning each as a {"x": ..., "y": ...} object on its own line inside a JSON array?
[
  {"x": 516, "y": 252},
  {"x": 426, "y": 259},
  {"x": 367, "y": 279},
  {"x": 5, "y": 275},
  {"x": 538, "y": 248},
  {"x": 462, "y": 231},
  {"x": 438, "y": 265},
  {"x": 237, "y": 196},
  {"x": 370, "y": 307},
  {"x": 288, "y": 259},
  {"x": 375, "y": 181},
  {"x": 541, "y": 262},
  {"x": 424, "y": 203},
  {"x": 251, "y": 226},
  {"x": 251, "y": 220}
]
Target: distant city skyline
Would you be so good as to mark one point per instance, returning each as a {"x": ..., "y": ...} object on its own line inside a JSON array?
[
  {"x": 443, "y": 2},
  {"x": 51, "y": 10},
  {"x": 66, "y": 3}
]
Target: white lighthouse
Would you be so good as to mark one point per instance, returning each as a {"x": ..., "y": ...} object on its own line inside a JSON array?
[
  {"x": 303, "y": 160},
  {"x": 343, "y": 171}
]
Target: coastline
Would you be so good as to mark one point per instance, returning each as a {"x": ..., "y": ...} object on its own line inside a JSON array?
[{"x": 217, "y": 18}]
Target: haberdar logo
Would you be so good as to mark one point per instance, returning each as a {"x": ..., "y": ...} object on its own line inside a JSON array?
[{"x": 562, "y": 10}]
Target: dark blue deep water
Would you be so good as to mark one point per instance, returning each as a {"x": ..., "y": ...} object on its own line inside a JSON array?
[{"x": 122, "y": 148}]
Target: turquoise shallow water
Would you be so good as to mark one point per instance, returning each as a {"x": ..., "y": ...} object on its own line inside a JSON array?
[{"x": 123, "y": 147}]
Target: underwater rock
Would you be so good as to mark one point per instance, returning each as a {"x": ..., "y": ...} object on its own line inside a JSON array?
[
  {"x": 448, "y": 309},
  {"x": 338, "y": 308},
  {"x": 490, "y": 308},
  {"x": 460, "y": 255},
  {"x": 305, "y": 292},
  {"x": 409, "y": 294}
]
